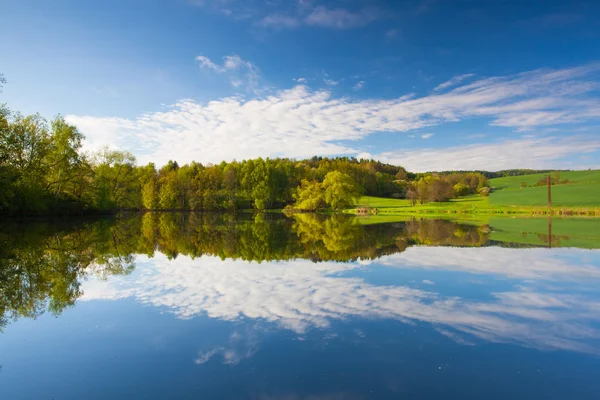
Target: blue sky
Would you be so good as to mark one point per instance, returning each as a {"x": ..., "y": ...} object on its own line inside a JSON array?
[{"x": 430, "y": 85}]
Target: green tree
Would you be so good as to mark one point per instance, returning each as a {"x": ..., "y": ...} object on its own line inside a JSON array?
[
  {"x": 115, "y": 182},
  {"x": 309, "y": 196},
  {"x": 460, "y": 189},
  {"x": 64, "y": 160},
  {"x": 340, "y": 190}
]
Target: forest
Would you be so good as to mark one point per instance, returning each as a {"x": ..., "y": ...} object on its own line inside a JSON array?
[{"x": 44, "y": 170}]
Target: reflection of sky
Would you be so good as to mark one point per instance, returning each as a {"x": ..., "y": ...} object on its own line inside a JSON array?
[{"x": 547, "y": 305}]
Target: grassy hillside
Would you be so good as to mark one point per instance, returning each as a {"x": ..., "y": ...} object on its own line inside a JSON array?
[
  {"x": 580, "y": 196},
  {"x": 582, "y": 191},
  {"x": 514, "y": 182}
]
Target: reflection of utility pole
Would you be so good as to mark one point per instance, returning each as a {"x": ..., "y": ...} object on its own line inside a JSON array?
[
  {"x": 550, "y": 232},
  {"x": 549, "y": 192}
]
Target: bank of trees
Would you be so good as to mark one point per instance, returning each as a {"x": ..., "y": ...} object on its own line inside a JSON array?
[
  {"x": 439, "y": 188},
  {"x": 43, "y": 170}
]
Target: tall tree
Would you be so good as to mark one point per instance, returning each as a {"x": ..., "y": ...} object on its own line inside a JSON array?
[{"x": 340, "y": 190}]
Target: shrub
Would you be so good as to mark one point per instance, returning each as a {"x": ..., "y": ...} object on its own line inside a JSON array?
[{"x": 484, "y": 191}]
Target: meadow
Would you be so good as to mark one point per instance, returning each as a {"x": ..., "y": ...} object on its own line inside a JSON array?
[
  {"x": 583, "y": 190},
  {"x": 581, "y": 196}
]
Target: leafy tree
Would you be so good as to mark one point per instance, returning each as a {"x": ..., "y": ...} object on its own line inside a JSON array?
[
  {"x": 169, "y": 189},
  {"x": 115, "y": 182},
  {"x": 340, "y": 190},
  {"x": 460, "y": 189},
  {"x": 309, "y": 196},
  {"x": 64, "y": 159}
]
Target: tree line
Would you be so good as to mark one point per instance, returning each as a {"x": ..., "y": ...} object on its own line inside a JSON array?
[{"x": 43, "y": 170}]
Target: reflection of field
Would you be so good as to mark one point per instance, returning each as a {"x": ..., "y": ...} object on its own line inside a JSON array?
[
  {"x": 580, "y": 232},
  {"x": 565, "y": 232}
]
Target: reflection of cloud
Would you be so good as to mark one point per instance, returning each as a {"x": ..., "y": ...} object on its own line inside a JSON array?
[
  {"x": 519, "y": 264},
  {"x": 300, "y": 295},
  {"x": 241, "y": 346}
]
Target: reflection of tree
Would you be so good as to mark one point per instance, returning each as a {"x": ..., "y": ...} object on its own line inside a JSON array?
[
  {"x": 41, "y": 267},
  {"x": 445, "y": 233}
]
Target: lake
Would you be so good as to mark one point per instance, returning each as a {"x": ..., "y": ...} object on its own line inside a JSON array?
[{"x": 217, "y": 306}]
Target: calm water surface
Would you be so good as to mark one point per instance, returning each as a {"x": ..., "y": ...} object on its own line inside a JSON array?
[{"x": 180, "y": 306}]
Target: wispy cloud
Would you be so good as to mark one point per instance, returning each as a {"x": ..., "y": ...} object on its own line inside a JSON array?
[
  {"x": 426, "y": 135},
  {"x": 241, "y": 72},
  {"x": 452, "y": 82},
  {"x": 358, "y": 85},
  {"x": 300, "y": 122},
  {"x": 535, "y": 153},
  {"x": 320, "y": 16},
  {"x": 291, "y": 14},
  {"x": 340, "y": 18},
  {"x": 280, "y": 21}
]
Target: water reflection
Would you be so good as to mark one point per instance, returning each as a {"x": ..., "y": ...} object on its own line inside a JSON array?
[
  {"x": 299, "y": 295},
  {"x": 42, "y": 264},
  {"x": 214, "y": 265}
]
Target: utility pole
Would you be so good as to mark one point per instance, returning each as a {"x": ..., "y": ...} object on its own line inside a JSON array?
[{"x": 549, "y": 192}]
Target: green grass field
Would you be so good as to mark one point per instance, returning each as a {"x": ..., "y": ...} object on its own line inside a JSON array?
[
  {"x": 509, "y": 200},
  {"x": 514, "y": 182},
  {"x": 580, "y": 196},
  {"x": 582, "y": 191},
  {"x": 473, "y": 204}
]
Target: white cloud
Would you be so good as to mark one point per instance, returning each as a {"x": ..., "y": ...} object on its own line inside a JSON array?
[
  {"x": 330, "y": 82},
  {"x": 206, "y": 62},
  {"x": 359, "y": 85},
  {"x": 240, "y": 72},
  {"x": 540, "y": 153},
  {"x": 452, "y": 82},
  {"x": 320, "y": 16},
  {"x": 476, "y": 136},
  {"x": 302, "y": 295},
  {"x": 426, "y": 135},
  {"x": 280, "y": 21},
  {"x": 300, "y": 122}
]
